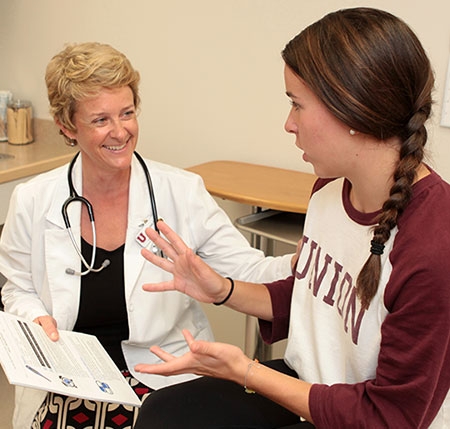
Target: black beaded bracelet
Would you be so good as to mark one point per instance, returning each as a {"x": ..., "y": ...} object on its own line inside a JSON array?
[{"x": 229, "y": 293}]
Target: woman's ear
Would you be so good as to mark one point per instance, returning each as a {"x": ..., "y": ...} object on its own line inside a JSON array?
[{"x": 67, "y": 133}]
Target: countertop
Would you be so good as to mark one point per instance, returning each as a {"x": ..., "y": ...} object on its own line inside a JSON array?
[{"x": 47, "y": 151}]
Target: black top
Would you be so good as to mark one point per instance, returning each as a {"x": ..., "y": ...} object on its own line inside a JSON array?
[{"x": 103, "y": 310}]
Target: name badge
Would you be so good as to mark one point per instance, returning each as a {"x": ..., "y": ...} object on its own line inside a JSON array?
[{"x": 143, "y": 239}]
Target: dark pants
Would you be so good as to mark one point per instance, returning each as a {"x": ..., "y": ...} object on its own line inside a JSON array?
[{"x": 207, "y": 403}]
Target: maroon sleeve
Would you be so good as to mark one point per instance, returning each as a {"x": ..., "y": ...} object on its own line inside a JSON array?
[
  {"x": 280, "y": 294},
  {"x": 412, "y": 377}
]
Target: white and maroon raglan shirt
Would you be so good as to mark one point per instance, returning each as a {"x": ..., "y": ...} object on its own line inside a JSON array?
[{"x": 389, "y": 365}]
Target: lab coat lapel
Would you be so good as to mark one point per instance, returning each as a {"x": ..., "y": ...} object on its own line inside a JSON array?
[
  {"x": 139, "y": 211},
  {"x": 60, "y": 253}
]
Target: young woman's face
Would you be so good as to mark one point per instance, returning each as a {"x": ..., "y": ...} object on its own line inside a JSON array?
[
  {"x": 325, "y": 141},
  {"x": 106, "y": 129}
]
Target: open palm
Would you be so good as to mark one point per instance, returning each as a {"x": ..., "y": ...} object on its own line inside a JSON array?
[{"x": 191, "y": 275}]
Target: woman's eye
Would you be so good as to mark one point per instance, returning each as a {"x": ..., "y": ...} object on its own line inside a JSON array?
[
  {"x": 99, "y": 121},
  {"x": 294, "y": 105},
  {"x": 129, "y": 114}
]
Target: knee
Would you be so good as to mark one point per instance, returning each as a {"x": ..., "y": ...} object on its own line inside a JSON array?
[
  {"x": 155, "y": 401},
  {"x": 159, "y": 409}
]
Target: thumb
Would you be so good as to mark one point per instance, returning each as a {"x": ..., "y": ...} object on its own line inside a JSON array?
[
  {"x": 194, "y": 345},
  {"x": 199, "y": 347},
  {"x": 49, "y": 326}
]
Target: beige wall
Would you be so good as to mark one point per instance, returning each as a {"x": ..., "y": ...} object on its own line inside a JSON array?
[
  {"x": 212, "y": 83},
  {"x": 211, "y": 71}
]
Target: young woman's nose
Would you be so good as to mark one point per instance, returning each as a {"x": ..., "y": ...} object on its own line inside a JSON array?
[{"x": 289, "y": 125}]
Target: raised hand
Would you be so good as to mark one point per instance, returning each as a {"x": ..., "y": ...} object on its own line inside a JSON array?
[{"x": 191, "y": 275}]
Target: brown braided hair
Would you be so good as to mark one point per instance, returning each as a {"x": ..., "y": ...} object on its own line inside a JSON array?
[{"x": 371, "y": 71}]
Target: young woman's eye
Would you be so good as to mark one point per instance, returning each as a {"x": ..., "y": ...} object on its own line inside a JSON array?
[{"x": 294, "y": 105}]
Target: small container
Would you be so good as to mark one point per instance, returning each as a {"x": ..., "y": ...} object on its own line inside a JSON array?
[
  {"x": 5, "y": 99},
  {"x": 19, "y": 119}
]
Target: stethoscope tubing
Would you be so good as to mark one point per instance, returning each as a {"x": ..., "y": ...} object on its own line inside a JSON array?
[{"x": 75, "y": 197}]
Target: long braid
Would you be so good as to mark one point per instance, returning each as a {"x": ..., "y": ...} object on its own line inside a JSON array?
[{"x": 411, "y": 155}]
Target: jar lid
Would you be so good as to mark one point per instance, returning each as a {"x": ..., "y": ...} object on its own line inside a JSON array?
[
  {"x": 19, "y": 104},
  {"x": 5, "y": 97}
]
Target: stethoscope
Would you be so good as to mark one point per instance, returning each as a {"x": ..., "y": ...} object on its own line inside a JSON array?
[{"x": 141, "y": 238}]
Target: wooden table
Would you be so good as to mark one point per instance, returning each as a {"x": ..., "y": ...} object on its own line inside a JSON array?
[
  {"x": 279, "y": 199},
  {"x": 257, "y": 185}
]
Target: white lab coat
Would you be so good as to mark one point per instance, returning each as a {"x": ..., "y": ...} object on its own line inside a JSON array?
[{"x": 35, "y": 251}]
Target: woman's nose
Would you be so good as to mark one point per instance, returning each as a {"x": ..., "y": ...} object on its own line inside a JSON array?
[
  {"x": 289, "y": 125},
  {"x": 117, "y": 129}
]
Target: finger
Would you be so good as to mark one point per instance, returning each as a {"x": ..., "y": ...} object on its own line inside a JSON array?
[
  {"x": 188, "y": 337},
  {"x": 162, "y": 354},
  {"x": 157, "y": 368},
  {"x": 160, "y": 262},
  {"x": 172, "y": 367},
  {"x": 198, "y": 347},
  {"x": 49, "y": 326},
  {"x": 161, "y": 243},
  {"x": 174, "y": 239},
  {"x": 159, "y": 287}
]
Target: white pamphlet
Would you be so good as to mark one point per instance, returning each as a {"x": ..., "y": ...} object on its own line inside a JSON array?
[{"x": 75, "y": 365}]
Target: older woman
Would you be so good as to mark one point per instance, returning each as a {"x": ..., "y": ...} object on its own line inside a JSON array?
[{"x": 93, "y": 94}]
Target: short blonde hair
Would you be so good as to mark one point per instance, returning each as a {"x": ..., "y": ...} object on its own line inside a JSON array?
[{"x": 80, "y": 71}]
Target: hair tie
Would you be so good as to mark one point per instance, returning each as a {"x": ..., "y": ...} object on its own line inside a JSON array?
[
  {"x": 229, "y": 293},
  {"x": 376, "y": 248}
]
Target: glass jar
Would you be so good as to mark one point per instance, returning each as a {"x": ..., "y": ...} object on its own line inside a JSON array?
[
  {"x": 5, "y": 98},
  {"x": 19, "y": 119}
]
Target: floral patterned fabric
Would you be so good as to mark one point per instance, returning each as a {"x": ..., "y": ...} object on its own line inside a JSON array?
[{"x": 66, "y": 412}]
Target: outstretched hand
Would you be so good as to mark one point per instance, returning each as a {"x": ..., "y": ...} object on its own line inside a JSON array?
[
  {"x": 204, "y": 358},
  {"x": 191, "y": 275}
]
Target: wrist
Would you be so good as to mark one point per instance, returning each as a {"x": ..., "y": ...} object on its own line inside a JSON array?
[
  {"x": 252, "y": 366},
  {"x": 229, "y": 293}
]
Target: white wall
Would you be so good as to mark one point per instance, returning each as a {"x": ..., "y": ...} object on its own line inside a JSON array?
[{"x": 212, "y": 84}]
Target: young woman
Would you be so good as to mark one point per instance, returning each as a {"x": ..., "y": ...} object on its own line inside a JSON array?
[{"x": 367, "y": 313}]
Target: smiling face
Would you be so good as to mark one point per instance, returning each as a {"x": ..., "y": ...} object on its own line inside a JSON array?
[
  {"x": 106, "y": 130},
  {"x": 325, "y": 141}
]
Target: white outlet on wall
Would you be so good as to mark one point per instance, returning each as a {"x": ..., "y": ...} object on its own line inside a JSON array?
[{"x": 445, "y": 115}]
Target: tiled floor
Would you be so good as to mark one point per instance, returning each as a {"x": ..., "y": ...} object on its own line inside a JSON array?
[{"x": 6, "y": 402}]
